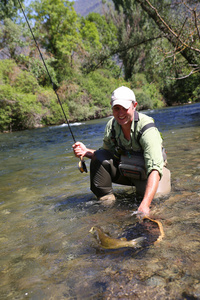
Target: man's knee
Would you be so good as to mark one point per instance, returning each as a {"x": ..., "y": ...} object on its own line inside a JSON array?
[
  {"x": 101, "y": 156},
  {"x": 164, "y": 186},
  {"x": 105, "y": 159},
  {"x": 101, "y": 173}
]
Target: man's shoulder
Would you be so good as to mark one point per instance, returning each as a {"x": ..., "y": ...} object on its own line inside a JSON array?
[
  {"x": 109, "y": 124},
  {"x": 108, "y": 128},
  {"x": 144, "y": 119}
]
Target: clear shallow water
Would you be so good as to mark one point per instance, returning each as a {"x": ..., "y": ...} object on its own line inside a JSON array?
[{"x": 47, "y": 209}]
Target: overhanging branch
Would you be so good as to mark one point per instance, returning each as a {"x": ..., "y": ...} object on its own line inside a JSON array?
[
  {"x": 102, "y": 58},
  {"x": 188, "y": 52},
  {"x": 177, "y": 36}
]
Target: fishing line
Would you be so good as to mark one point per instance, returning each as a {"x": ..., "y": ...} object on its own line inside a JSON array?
[{"x": 82, "y": 166}]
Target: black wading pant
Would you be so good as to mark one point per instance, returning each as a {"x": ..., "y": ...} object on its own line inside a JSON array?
[{"x": 103, "y": 172}]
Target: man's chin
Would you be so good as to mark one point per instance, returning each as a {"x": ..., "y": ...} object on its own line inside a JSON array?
[{"x": 122, "y": 122}]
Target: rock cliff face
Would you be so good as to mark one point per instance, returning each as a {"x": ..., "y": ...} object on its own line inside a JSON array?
[{"x": 84, "y": 7}]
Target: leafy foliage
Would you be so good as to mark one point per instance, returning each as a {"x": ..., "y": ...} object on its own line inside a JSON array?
[
  {"x": 88, "y": 57},
  {"x": 57, "y": 21},
  {"x": 163, "y": 41},
  {"x": 8, "y": 8},
  {"x": 11, "y": 40},
  {"x": 147, "y": 95},
  {"x": 17, "y": 111},
  {"x": 25, "y": 104}
]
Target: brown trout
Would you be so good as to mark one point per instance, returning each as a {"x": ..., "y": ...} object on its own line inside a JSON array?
[{"x": 107, "y": 242}]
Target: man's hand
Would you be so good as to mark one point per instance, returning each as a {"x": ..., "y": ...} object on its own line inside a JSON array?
[
  {"x": 79, "y": 149},
  {"x": 151, "y": 188},
  {"x": 143, "y": 211}
]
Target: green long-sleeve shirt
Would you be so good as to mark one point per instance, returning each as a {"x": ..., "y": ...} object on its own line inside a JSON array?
[{"x": 150, "y": 141}]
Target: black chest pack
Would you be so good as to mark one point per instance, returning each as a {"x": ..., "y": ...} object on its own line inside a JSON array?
[{"x": 130, "y": 163}]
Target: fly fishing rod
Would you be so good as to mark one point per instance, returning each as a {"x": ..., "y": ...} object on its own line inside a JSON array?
[{"x": 82, "y": 166}]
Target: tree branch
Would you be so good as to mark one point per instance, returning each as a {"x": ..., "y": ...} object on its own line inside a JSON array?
[
  {"x": 195, "y": 22},
  {"x": 170, "y": 30},
  {"x": 188, "y": 52},
  {"x": 186, "y": 76},
  {"x": 102, "y": 58},
  {"x": 195, "y": 17}
]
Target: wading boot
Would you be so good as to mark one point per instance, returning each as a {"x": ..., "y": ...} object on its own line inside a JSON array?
[{"x": 107, "y": 200}]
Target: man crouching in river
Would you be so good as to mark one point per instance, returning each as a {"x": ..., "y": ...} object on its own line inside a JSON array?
[{"x": 131, "y": 154}]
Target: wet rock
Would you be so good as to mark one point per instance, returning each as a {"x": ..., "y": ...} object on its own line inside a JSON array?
[{"x": 156, "y": 281}]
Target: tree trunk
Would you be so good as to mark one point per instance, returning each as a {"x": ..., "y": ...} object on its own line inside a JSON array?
[{"x": 189, "y": 53}]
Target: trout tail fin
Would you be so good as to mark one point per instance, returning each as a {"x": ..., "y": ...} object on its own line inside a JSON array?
[{"x": 137, "y": 242}]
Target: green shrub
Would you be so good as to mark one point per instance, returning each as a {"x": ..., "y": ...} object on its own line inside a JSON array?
[
  {"x": 7, "y": 102},
  {"x": 7, "y": 93},
  {"x": 26, "y": 83},
  {"x": 7, "y": 67},
  {"x": 26, "y": 113},
  {"x": 143, "y": 99},
  {"x": 196, "y": 94},
  {"x": 5, "y": 118},
  {"x": 99, "y": 86},
  {"x": 18, "y": 111},
  {"x": 138, "y": 80},
  {"x": 54, "y": 114},
  {"x": 152, "y": 91},
  {"x": 147, "y": 95}
]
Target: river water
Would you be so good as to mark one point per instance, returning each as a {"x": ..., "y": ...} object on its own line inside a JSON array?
[{"x": 47, "y": 210}]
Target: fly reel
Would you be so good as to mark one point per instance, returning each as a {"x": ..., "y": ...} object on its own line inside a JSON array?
[{"x": 82, "y": 166}]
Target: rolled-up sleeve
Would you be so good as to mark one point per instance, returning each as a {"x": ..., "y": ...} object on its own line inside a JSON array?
[
  {"x": 108, "y": 144},
  {"x": 151, "y": 143}
]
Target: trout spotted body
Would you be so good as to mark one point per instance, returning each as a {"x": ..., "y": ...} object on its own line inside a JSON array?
[{"x": 107, "y": 242}]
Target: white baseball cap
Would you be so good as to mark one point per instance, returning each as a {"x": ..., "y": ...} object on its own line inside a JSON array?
[{"x": 122, "y": 96}]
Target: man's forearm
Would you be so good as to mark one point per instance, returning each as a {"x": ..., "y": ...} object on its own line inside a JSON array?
[
  {"x": 151, "y": 188},
  {"x": 89, "y": 153}
]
